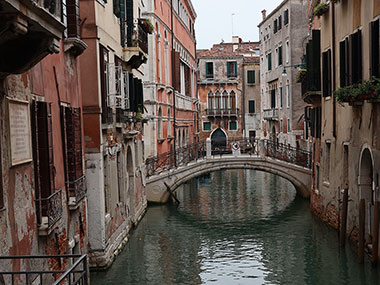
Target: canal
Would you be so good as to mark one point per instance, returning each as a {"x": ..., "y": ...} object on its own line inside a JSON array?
[{"x": 235, "y": 227}]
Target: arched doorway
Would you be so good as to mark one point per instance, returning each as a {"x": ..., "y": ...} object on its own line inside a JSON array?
[
  {"x": 366, "y": 189},
  {"x": 218, "y": 139}
]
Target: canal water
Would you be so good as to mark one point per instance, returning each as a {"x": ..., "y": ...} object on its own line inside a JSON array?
[{"x": 235, "y": 227}]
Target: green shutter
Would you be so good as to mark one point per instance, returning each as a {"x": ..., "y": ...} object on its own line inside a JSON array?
[
  {"x": 228, "y": 69},
  {"x": 235, "y": 64}
]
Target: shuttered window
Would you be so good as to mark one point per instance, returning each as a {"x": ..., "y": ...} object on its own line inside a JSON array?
[
  {"x": 251, "y": 76},
  {"x": 275, "y": 26},
  {"x": 42, "y": 140},
  {"x": 269, "y": 58},
  {"x": 231, "y": 69},
  {"x": 286, "y": 17},
  {"x": 251, "y": 106},
  {"x": 73, "y": 20},
  {"x": 206, "y": 126},
  {"x": 356, "y": 57},
  {"x": 326, "y": 73},
  {"x": 130, "y": 24},
  {"x": 273, "y": 98},
  {"x": 344, "y": 65},
  {"x": 209, "y": 70},
  {"x": 177, "y": 71},
  {"x": 375, "y": 48},
  {"x": 232, "y": 125},
  {"x": 280, "y": 55},
  {"x": 280, "y": 22},
  {"x": 187, "y": 81}
]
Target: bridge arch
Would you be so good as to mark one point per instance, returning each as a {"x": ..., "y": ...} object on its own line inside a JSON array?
[{"x": 157, "y": 192}]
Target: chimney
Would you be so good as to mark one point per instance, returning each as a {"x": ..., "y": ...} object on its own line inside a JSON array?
[
  {"x": 235, "y": 41},
  {"x": 264, "y": 13}
]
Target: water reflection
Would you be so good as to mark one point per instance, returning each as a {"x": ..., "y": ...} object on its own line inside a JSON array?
[{"x": 235, "y": 227}]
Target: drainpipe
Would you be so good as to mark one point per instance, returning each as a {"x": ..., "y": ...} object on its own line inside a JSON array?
[
  {"x": 173, "y": 85},
  {"x": 243, "y": 99},
  {"x": 333, "y": 65}
]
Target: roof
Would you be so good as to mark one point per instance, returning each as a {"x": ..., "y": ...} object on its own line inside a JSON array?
[
  {"x": 227, "y": 50},
  {"x": 252, "y": 59}
]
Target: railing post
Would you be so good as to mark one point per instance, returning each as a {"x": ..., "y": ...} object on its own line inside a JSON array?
[
  {"x": 208, "y": 148},
  {"x": 261, "y": 147}
]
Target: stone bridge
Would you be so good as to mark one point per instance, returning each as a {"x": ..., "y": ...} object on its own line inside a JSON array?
[{"x": 159, "y": 186}]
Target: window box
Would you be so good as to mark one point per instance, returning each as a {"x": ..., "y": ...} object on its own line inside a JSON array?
[
  {"x": 321, "y": 9},
  {"x": 301, "y": 75},
  {"x": 368, "y": 90}
]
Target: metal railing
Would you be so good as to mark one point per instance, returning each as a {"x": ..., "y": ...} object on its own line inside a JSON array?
[
  {"x": 76, "y": 273},
  {"x": 170, "y": 160},
  {"x": 51, "y": 207},
  {"x": 78, "y": 189},
  {"x": 246, "y": 146},
  {"x": 287, "y": 153},
  {"x": 271, "y": 114}
]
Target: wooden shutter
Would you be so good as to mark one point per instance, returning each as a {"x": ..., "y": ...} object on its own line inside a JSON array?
[
  {"x": 228, "y": 69},
  {"x": 187, "y": 81},
  {"x": 251, "y": 76},
  {"x": 140, "y": 96},
  {"x": 280, "y": 22},
  {"x": 235, "y": 68},
  {"x": 286, "y": 16},
  {"x": 132, "y": 105},
  {"x": 342, "y": 63},
  {"x": 273, "y": 98},
  {"x": 375, "y": 48},
  {"x": 312, "y": 122},
  {"x": 103, "y": 83},
  {"x": 73, "y": 20},
  {"x": 130, "y": 24},
  {"x": 329, "y": 72},
  {"x": 356, "y": 57},
  {"x": 251, "y": 106}
]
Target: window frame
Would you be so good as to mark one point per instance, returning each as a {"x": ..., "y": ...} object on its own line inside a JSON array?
[
  {"x": 229, "y": 126},
  {"x": 251, "y": 71},
  {"x": 209, "y": 75},
  {"x": 250, "y": 102},
  {"x": 203, "y": 126}
]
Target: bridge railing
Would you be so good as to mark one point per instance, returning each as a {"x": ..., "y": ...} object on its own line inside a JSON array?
[
  {"x": 287, "y": 153},
  {"x": 246, "y": 146},
  {"x": 170, "y": 160}
]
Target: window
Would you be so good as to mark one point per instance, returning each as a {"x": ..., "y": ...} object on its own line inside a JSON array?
[
  {"x": 326, "y": 73},
  {"x": 232, "y": 100},
  {"x": 356, "y": 50},
  {"x": 288, "y": 126},
  {"x": 73, "y": 21},
  {"x": 275, "y": 26},
  {"x": 286, "y": 17},
  {"x": 160, "y": 123},
  {"x": 209, "y": 70},
  {"x": 281, "y": 126},
  {"x": 280, "y": 55},
  {"x": 42, "y": 141},
  {"x": 269, "y": 58},
  {"x": 273, "y": 98},
  {"x": 232, "y": 126},
  {"x": 251, "y": 106},
  {"x": 315, "y": 122},
  {"x": 327, "y": 161},
  {"x": 287, "y": 95},
  {"x": 210, "y": 101},
  {"x": 344, "y": 62},
  {"x": 287, "y": 51},
  {"x": 351, "y": 66},
  {"x": 170, "y": 124},
  {"x": 279, "y": 22},
  {"x": 375, "y": 48},
  {"x": 73, "y": 156},
  {"x": 251, "y": 76},
  {"x": 231, "y": 69},
  {"x": 206, "y": 126},
  {"x": 281, "y": 97}
]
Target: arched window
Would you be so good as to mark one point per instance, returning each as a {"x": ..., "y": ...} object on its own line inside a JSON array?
[
  {"x": 159, "y": 123},
  {"x": 232, "y": 100},
  {"x": 217, "y": 100},
  {"x": 210, "y": 99},
  {"x": 169, "y": 124},
  {"x": 225, "y": 100}
]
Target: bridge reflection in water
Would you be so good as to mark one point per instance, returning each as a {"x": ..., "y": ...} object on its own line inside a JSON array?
[{"x": 235, "y": 227}]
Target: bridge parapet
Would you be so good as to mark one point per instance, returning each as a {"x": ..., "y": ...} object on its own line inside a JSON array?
[{"x": 261, "y": 155}]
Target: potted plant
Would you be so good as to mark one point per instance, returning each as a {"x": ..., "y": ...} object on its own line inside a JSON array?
[
  {"x": 321, "y": 8},
  {"x": 301, "y": 75}
]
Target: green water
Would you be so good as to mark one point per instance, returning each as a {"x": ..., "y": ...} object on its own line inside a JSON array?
[{"x": 235, "y": 227}]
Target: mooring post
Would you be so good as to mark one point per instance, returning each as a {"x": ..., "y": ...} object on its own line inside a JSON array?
[
  {"x": 343, "y": 229},
  {"x": 361, "y": 230},
  {"x": 375, "y": 236}
]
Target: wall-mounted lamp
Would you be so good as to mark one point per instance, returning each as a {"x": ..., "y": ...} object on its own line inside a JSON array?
[{"x": 302, "y": 65}]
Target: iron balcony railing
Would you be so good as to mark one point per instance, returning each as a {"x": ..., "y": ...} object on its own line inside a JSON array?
[
  {"x": 51, "y": 208},
  {"x": 271, "y": 114},
  {"x": 30, "y": 271},
  {"x": 77, "y": 190},
  {"x": 287, "y": 153},
  {"x": 222, "y": 112}
]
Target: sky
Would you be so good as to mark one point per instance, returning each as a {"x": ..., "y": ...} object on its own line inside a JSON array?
[{"x": 214, "y": 20}]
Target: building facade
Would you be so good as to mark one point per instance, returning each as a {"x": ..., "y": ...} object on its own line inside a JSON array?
[
  {"x": 111, "y": 82},
  {"x": 283, "y": 36},
  {"x": 350, "y": 146},
  {"x": 170, "y": 80},
  {"x": 42, "y": 187},
  {"x": 227, "y": 88}
]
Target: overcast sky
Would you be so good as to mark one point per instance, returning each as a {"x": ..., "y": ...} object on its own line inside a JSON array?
[{"x": 214, "y": 19}]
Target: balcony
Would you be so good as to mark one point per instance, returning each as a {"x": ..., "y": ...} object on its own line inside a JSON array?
[
  {"x": 77, "y": 191},
  {"x": 137, "y": 43},
  {"x": 271, "y": 114},
  {"x": 49, "y": 211},
  {"x": 35, "y": 269},
  {"x": 30, "y": 30},
  {"x": 222, "y": 112}
]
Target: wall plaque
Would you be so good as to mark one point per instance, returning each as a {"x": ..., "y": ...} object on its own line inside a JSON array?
[{"x": 20, "y": 132}]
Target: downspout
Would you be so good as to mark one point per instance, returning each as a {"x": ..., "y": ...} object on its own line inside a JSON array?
[
  {"x": 243, "y": 99},
  {"x": 333, "y": 65},
  {"x": 173, "y": 85}
]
